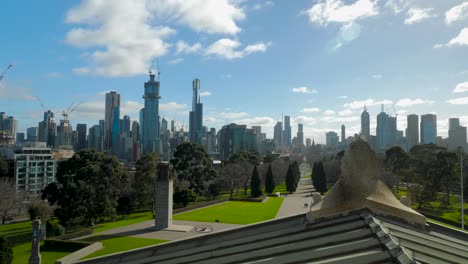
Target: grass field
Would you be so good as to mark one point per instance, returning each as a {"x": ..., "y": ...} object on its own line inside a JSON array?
[
  {"x": 131, "y": 219},
  {"x": 119, "y": 244},
  {"x": 22, "y": 252},
  {"x": 280, "y": 188},
  {"x": 235, "y": 212}
]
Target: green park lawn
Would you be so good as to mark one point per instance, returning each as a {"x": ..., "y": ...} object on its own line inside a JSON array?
[
  {"x": 235, "y": 212},
  {"x": 16, "y": 228},
  {"x": 280, "y": 188},
  {"x": 119, "y": 244},
  {"x": 22, "y": 252},
  {"x": 130, "y": 220}
]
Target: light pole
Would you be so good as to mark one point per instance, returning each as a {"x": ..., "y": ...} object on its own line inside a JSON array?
[{"x": 461, "y": 190}]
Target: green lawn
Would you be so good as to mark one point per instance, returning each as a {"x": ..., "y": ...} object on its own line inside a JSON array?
[
  {"x": 235, "y": 212},
  {"x": 131, "y": 219},
  {"x": 280, "y": 188},
  {"x": 16, "y": 228},
  {"x": 119, "y": 244},
  {"x": 22, "y": 252}
]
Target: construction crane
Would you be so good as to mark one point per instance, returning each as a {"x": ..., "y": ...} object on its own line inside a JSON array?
[
  {"x": 66, "y": 113},
  {"x": 5, "y": 71}
]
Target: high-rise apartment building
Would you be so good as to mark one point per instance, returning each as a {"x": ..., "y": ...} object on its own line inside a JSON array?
[
  {"x": 412, "y": 131},
  {"x": 428, "y": 128},
  {"x": 112, "y": 123},
  {"x": 287, "y": 131},
  {"x": 332, "y": 139},
  {"x": 150, "y": 118},
  {"x": 383, "y": 129},
  {"x": 300, "y": 134},
  {"x": 196, "y": 115},
  {"x": 125, "y": 124},
  {"x": 8, "y": 124},
  {"x": 343, "y": 134},
  {"x": 64, "y": 135},
  {"x": 231, "y": 140}
]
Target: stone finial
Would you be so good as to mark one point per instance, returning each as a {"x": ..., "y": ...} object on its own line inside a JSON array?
[
  {"x": 406, "y": 201},
  {"x": 361, "y": 188}
]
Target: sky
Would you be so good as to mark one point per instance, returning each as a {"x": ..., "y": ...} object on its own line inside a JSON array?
[{"x": 317, "y": 61}]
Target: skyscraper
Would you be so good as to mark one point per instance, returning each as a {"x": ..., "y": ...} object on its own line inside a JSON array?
[
  {"x": 48, "y": 129},
  {"x": 383, "y": 130},
  {"x": 32, "y": 134},
  {"x": 331, "y": 139},
  {"x": 196, "y": 115},
  {"x": 278, "y": 135},
  {"x": 365, "y": 124},
  {"x": 112, "y": 122},
  {"x": 428, "y": 127},
  {"x": 412, "y": 131},
  {"x": 81, "y": 129},
  {"x": 300, "y": 134},
  {"x": 125, "y": 124},
  {"x": 150, "y": 120},
  {"x": 287, "y": 131},
  {"x": 343, "y": 133},
  {"x": 456, "y": 135},
  {"x": 135, "y": 140},
  {"x": 64, "y": 135}
]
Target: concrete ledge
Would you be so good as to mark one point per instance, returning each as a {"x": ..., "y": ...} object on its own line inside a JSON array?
[{"x": 77, "y": 255}]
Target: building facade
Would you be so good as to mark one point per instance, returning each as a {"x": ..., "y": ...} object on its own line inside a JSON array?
[
  {"x": 428, "y": 128},
  {"x": 196, "y": 115},
  {"x": 412, "y": 131},
  {"x": 150, "y": 118},
  {"x": 112, "y": 123}
]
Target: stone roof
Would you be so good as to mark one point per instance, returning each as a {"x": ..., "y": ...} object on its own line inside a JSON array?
[{"x": 353, "y": 237}]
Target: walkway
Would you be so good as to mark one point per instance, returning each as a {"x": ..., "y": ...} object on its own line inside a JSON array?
[{"x": 293, "y": 204}]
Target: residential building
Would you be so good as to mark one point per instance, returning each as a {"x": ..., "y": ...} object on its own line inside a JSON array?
[
  {"x": 343, "y": 134},
  {"x": 278, "y": 135},
  {"x": 81, "y": 130},
  {"x": 196, "y": 115},
  {"x": 456, "y": 135},
  {"x": 287, "y": 131},
  {"x": 332, "y": 139},
  {"x": 300, "y": 134},
  {"x": 365, "y": 124},
  {"x": 112, "y": 123},
  {"x": 64, "y": 135},
  {"x": 48, "y": 129},
  {"x": 150, "y": 117},
  {"x": 412, "y": 131},
  {"x": 32, "y": 134}
]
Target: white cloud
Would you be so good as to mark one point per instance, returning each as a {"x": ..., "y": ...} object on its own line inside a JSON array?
[
  {"x": 205, "y": 93},
  {"x": 304, "y": 89},
  {"x": 345, "y": 112},
  {"x": 327, "y": 11},
  {"x": 377, "y": 76},
  {"x": 53, "y": 75},
  {"x": 257, "y": 121},
  {"x": 402, "y": 112},
  {"x": 176, "y": 61},
  {"x": 456, "y": 13},
  {"x": 329, "y": 112},
  {"x": 307, "y": 120},
  {"x": 208, "y": 16},
  {"x": 406, "y": 102},
  {"x": 461, "y": 87},
  {"x": 229, "y": 49},
  {"x": 15, "y": 93},
  {"x": 368, "y": 102},
  {"x": 171, "y": 106},
  {"x": 398, "y": 5},
  {"x": 182, "y": 47},
  {"x": 459, "y": 101},
  {"x": 460, "y": 40},
  {"x": 342, "y": 97},
  {"x": 263, "y": 5},
  {"x": 416, "y": 15},
  {"x": 233, "y": 115},
  {"x": 211, "y": 120},
  {"x": 339, "y": 119},
  {"x": 121, "y": 38},
  {"x": 225, "y": 76},
  {"x": 310, "y": 110}
]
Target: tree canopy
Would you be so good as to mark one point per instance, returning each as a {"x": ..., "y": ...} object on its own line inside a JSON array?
[
  {"x": 319, "y": 178},
  {"x": 193, "y": 164},
  {"x": 88, "y": 186},
  {"x": 269, "y": 181},
  {"x": 143, "y": 181},
  {"x": 255, "y": 187}
]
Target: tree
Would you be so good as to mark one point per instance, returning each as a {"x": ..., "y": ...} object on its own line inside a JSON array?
[
  {"x": 396, "y": 160},
  {"x": 88, "y": 186},
  {"x": 184, "y": 197},
  {"x": 38, "y": 208},
  {"x": 142, "y": 193},
  {"x": 192, "y": 163},
  {"x": 319, "y": 178},
  {"x": 255, "y": 189},
  {"x": 269, "y": 181},
  {"x": 3, "y": 168},
  {"x": 214, "y": 189},
  {"x": 290, "y": 180},
  {"x": 297, "y": 173},
  {"x": 446, "y": 169},
  {"x": 7, "y": 198},
  {"x": 252, "y": 157},
  {"x": 6, "y": 253},
  {"x": 125, "y": 205}
]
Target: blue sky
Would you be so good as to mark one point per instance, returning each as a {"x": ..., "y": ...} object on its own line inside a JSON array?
[{"x": 317, "y": 61}]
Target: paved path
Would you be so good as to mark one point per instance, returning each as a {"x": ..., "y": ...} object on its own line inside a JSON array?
[{"x": 293, "y": 204}]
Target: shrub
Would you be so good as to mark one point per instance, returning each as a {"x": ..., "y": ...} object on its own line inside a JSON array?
[
  {"x": 6, "y": 253},
  {"x": 54, "y": 229},
  {"x": 184, "y": 197}
]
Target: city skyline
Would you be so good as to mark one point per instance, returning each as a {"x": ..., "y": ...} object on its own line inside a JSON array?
[{"x": 268, "y": 70}]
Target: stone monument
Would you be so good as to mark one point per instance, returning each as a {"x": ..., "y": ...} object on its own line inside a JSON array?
[
  {"x": 163, "y": 196},
  {"x": 360, "y": 188},
  {"x": 35, "y": 257}
]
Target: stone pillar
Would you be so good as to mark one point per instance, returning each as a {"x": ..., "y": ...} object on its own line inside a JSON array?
[
  {"x": 163, "y": 196},
  {"x": 35, "y": 257}
]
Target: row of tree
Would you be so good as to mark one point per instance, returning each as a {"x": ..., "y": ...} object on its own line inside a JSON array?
[{"x": 319, "y": 178}]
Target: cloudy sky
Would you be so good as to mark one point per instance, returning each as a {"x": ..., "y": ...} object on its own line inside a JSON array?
[{"x": 319, "y": 61}]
